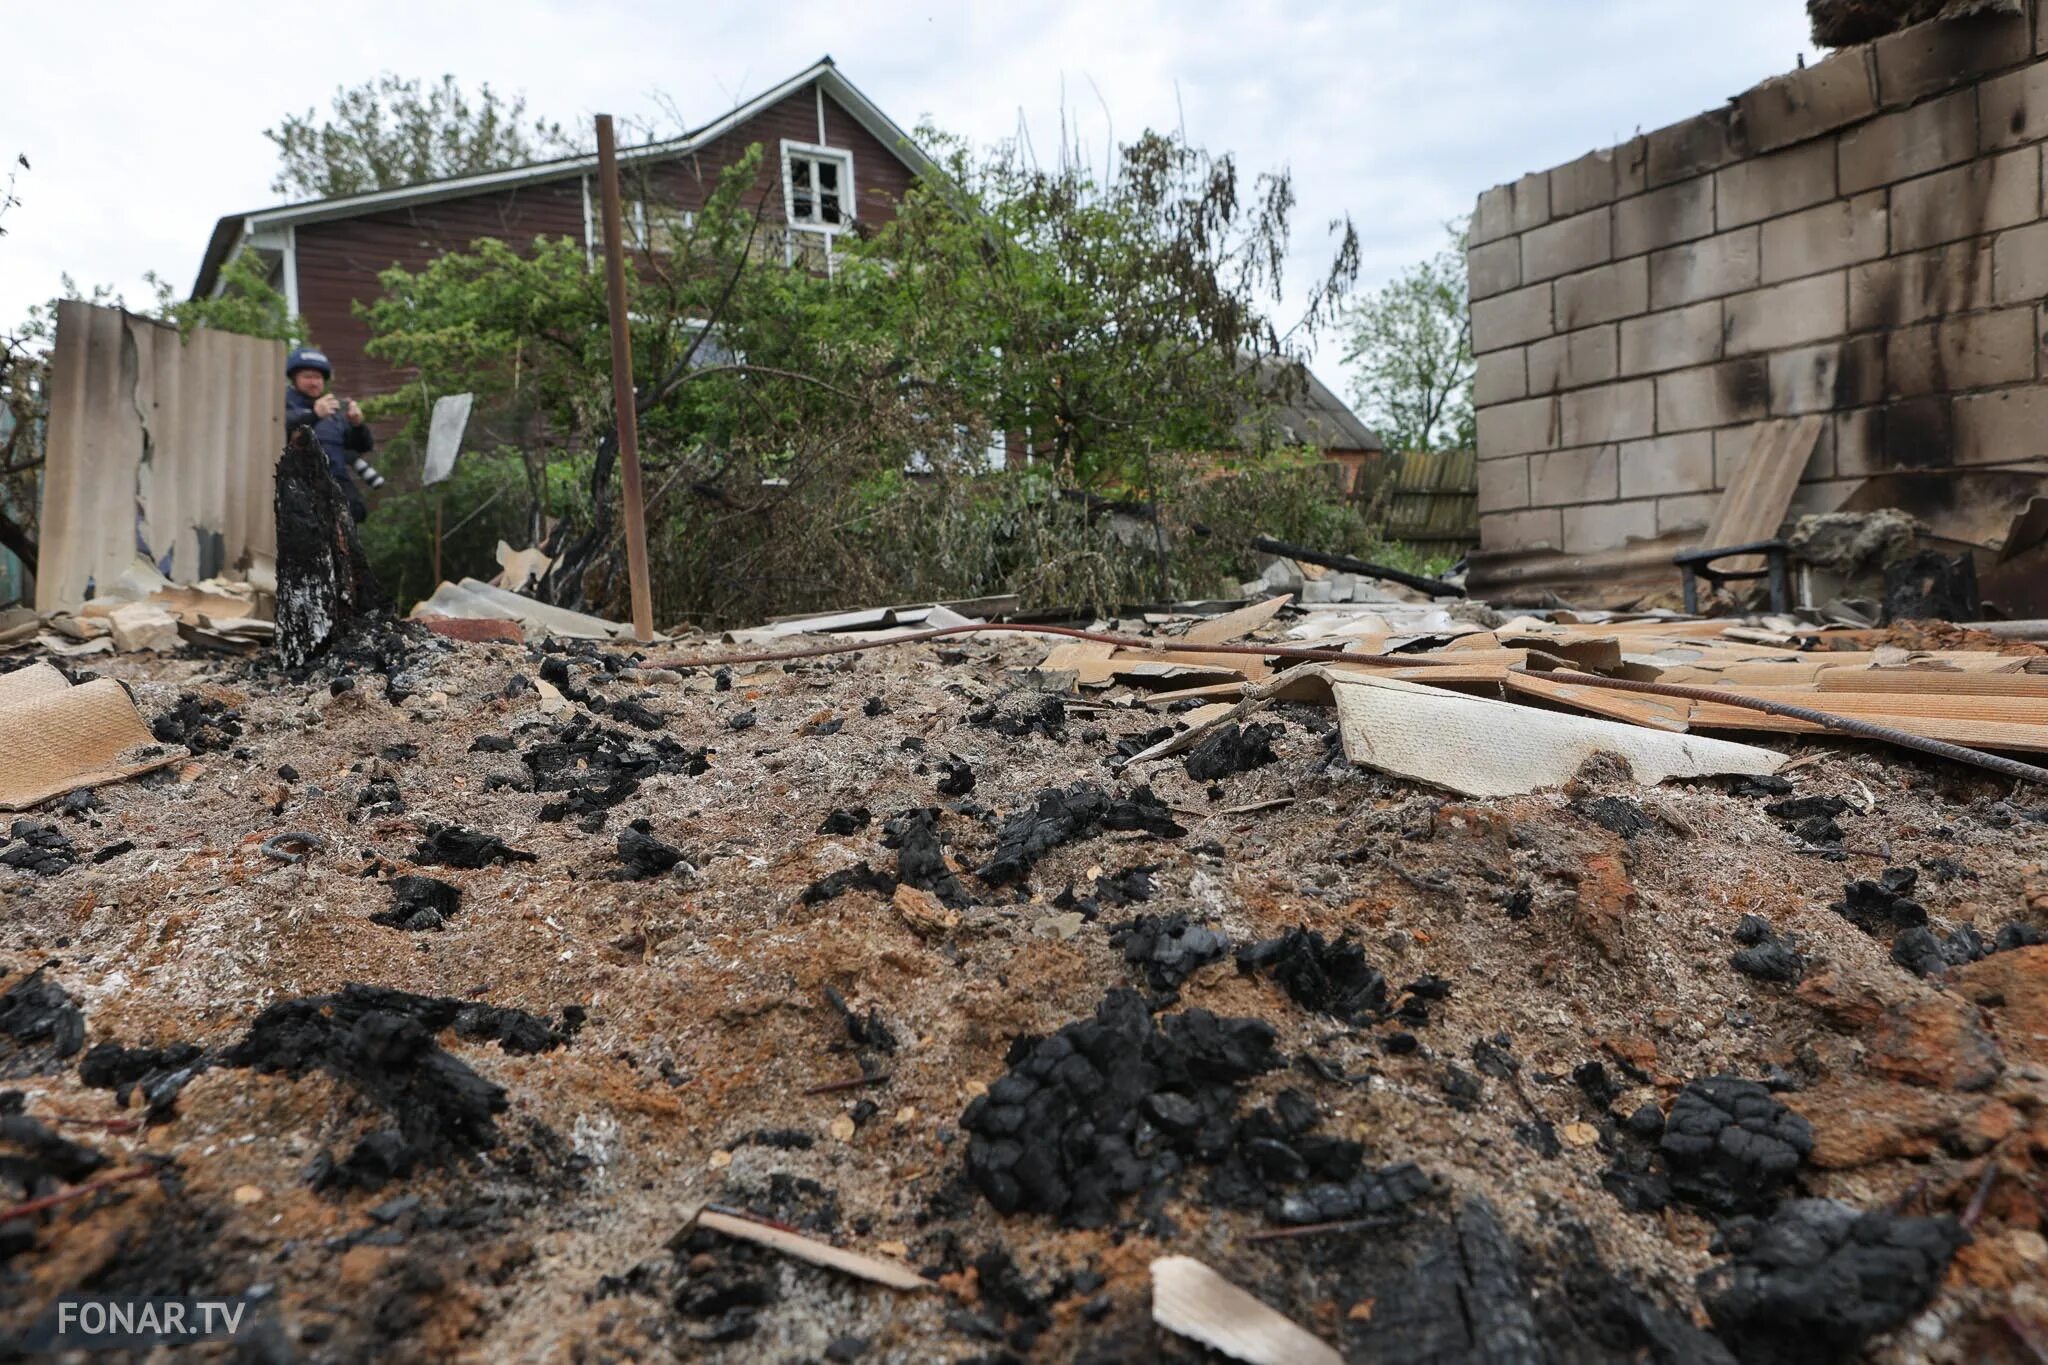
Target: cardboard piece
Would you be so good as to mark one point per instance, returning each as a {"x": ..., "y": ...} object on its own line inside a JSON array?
[
  {"x": 36, "y": 680},
  {"x": 1191, "y": 1300},
  {"x": 71, "y": 649},
  {"x": 143, "y": 625}
]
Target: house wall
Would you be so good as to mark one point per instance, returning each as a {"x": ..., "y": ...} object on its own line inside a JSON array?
[
  {"x": 339, "y": 261},
  {"x": 1863, "y": 238}
]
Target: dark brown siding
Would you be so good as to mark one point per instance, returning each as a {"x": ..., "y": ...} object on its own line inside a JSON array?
[
  {"x": 880, "y": 177},
  {"x": 339, "y": 261}
]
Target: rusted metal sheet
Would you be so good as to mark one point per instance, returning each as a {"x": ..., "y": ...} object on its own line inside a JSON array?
[
  {"x": 159, "y": 447},
  {"x": 1433, "y": 496}
]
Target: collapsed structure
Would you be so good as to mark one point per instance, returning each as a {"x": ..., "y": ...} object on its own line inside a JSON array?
[
  {"x": 1339, "y": 982},
  {"x": 1380, "y": 975}
]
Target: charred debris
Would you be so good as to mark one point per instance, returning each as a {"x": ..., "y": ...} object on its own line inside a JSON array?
[{"x": 942, "y": 964}]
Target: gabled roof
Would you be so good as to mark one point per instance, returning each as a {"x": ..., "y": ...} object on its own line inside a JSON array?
[
  {"x": 1306, "y": 412},
  {"x": 230, "y": 231}
]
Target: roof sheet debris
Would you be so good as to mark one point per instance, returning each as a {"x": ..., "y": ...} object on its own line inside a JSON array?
[
  {"x": 1354, "y": 1046},
  {"x": 1478, "y": 747},
  {"x": 475, "y": 599},
  {"x": 1194, "y": 1301}
]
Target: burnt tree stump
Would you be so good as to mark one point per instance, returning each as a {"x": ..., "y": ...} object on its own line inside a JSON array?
[{"x": 324, "y": 584}]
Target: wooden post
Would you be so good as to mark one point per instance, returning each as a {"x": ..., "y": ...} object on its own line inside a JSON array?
[
  {"x": 623, "y": 407},
  {"x": 437, "y": 540}
]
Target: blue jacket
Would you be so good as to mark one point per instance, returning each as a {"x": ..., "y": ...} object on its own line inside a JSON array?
[{"x": 342, "y": 442}]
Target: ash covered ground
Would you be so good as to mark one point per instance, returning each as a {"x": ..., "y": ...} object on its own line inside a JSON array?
[{"x": 888, "y": 950}]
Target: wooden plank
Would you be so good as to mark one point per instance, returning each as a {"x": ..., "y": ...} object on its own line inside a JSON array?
[
  {"x": 1936, "y": 680},
  {"x": 789, "y": 1242},
  {"x": 1484, "y": 678},
  {"x": 1679, "y": 714},
  {"x": 1595, "y": 653},
  {"x": 1977, "y": 734},
  {"x": 1750, "y": 674},
  {"x": 1637, "y": 708},
  {"x": 1754, "y": 504},
  {"x": 2005, "y": 710}
]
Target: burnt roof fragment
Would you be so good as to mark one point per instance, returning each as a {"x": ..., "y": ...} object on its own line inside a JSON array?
[
  {"x": 1766, "y": 954},
  {"x": 1818, "y": 1279},
  {"x": 39, "y": 847},
  {"x": 643, "y": 857},
  {"x": 383, "y": 1044},
  {"x": 921, "y": 858},
  {"x": 1232, "y": 749},
  {"x": 454, "y": 846},
  {"x": 1329, "y": 978},
  {"x": 1059, "y": 816},
  {"x": 1110, "y": 1105},
  {"x": 419, "y": 904},
  {"x": 846, "y": 820},
  {"x": 40, "y": 1026},
  {"x": 1879, "y": 906},
  {"x": 1047, "y": 716},
  {"x": 1730, "y": 1146},
  {"x": 1168, "y": 948},
  {"x": 157, "y": 1073}
]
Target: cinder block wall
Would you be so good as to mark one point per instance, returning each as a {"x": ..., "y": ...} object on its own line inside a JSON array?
[{"x": 1862, "y": 238}]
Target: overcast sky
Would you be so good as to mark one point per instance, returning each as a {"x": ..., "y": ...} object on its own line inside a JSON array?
[{"x": 144, "y": 122}]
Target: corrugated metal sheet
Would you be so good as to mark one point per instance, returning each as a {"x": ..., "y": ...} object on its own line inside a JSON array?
[
  {"x": 158, "y": 446},
  {"x": 1433, "y": 497}
]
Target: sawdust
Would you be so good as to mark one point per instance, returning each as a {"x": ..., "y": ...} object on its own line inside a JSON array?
[{"x": 704, "y": 987}]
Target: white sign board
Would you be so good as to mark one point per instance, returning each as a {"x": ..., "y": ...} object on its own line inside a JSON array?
[{"x": 444, "y": 436}]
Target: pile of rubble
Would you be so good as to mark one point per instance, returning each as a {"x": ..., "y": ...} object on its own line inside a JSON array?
[{"x": 966, "y": 999}]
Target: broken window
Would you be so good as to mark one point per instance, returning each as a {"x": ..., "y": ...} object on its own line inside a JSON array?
[
  {"x": 650, "y": 226},
  {"x": 817, "y": 185}
]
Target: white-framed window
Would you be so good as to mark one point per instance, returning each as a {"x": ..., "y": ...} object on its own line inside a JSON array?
[
  {"x": 656, "y": 229},
  {"x": 651, "y": 229},
  {"x": 817, "y": 187}
]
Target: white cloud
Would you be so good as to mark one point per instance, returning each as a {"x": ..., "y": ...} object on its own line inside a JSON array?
[{"x": 144, "y": 123}]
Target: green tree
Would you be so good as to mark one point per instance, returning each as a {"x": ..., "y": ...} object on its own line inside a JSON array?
[
  {"x": 1103, "y": 316},
  {"x": 1409, "y": 349},
  {"x": 245, "y": 303},
  {"x": 1112, "y": 322},
  {"x": 749, "y": 396},
  {"x": 389, "y": 132}
]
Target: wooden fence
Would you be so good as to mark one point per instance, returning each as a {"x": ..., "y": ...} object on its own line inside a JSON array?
[{"x": 1432, "y": 498}]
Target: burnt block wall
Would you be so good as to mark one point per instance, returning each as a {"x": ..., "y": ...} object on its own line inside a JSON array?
[{"x": 1863, "y": 238}]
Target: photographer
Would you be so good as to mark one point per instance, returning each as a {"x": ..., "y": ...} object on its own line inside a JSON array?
[{"x": 340, "y": 430}]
